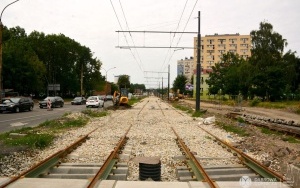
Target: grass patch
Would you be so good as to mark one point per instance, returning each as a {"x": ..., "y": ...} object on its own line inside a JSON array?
[
  {"x": 269, "y": 131},
  {"x": 198, "y": 113},
  {"x": 287, "y": 138},
  {"x": 233, "y": 129},
  {"x": 188, "y": 110},
  {"x": 32, "y": 140},
  {"x": 64, "y": 123},
  {"x": 290, "y": 139},
  {"x": 94, "y": 113},
  {"x": 134, "y": 100},
  {"x": 182, "y": 108},
  {"x": 240, "y": 120},
  {"x": 42, "y": 135}
]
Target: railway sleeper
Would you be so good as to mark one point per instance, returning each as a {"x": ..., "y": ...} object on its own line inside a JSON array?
[
  {"x": 73, "y": 171},
  {"x": 185, "y": 174},
  {"x": 217, "y": 173},
  {"x": 119, "y": 172}
]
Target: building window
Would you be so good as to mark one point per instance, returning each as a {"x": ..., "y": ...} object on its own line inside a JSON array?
[
  {"x": 244, "y": 45},
  {"x": 221, "y": 51},
  {"x": 210, "y": 41},
  {"x": 221, "y": 41},
  {"x": 244, "y": 40},
  {"x": 232, "y": 41}
]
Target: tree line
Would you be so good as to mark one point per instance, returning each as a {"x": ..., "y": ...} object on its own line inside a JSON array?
[{"x": 33, "y": 61}]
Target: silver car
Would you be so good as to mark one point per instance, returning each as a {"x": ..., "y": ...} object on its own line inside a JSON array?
[{"x": 94, "y": 101}]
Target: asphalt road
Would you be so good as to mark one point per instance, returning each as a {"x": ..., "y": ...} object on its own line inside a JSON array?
[{"x": 10, "y": 121}]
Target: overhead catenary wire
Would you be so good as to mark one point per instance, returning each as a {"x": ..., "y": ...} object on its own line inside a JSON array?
[
  {"x": 125, "y": 35},
  {"x": 130, "y": 34},
  {"x": 182, "y": 33},
  {"x": 175, "y": 33}
]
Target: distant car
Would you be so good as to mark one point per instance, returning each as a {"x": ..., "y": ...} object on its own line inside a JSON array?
[
  {"x": 102, "y": 97},
  {"x": 94, "y": 101},
  {"x": 109, "y": 97},
  {"x": 16, "y": 104},
  {"x": 55, "y": 102},
  {"x": 78, "y": 100}
]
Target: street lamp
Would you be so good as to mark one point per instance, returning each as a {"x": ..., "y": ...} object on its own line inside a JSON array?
[
  {"x": 106, "y": 77},
  {"x": 1, "y": 30}
]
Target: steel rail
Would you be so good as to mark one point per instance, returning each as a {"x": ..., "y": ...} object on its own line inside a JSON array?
[
  {"x": 143, "y": 107},
  {"x": 49, "y": 162},
  {"x": 160, "y": 108},
  {"x": 198, "y": 169},
  {"x": 250, "y": 162},
  {"x": 109, "y": 163}
]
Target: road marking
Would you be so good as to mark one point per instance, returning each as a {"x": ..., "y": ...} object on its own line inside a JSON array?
[
  {"x": 17, "y": 124},
  {"x": 28, "y": 117}
]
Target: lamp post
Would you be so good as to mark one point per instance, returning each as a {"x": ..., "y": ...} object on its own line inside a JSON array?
[
  {"x": 106, "y": 77},
  {"x": 1, "y": 30}
]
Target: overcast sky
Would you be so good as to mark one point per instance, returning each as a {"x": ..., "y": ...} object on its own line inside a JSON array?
[{"x": 94, "y": 23}]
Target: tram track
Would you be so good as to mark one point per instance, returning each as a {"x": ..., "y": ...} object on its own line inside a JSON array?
[
  {"x": 148, "y": 133},
  {"x": 212, "y": 174},
  {"x": 43, "y": 166}
]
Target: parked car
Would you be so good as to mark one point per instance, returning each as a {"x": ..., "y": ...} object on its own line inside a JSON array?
[
  {"x": 102, "y": 97},
  {"x": 55, "y": 102},
  {"x": 78, "y": 100},
  {"x": 16, "y": 104},
  {"x": 109, "y": 97},
  {"x": 94, "y": 101}
]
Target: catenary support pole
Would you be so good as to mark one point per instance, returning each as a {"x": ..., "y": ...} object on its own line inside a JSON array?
[
  {"x": 169, "y": 82},
  {"x": 162, "y": 88},
  {"x": 198, "y": 67}
]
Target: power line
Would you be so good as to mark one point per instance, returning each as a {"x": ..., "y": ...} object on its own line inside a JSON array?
[
  {"x": 124, "y": 34},
  {"x": 174, "y": 33},
  {"x": 130, "y": 34},
  {"x": 183, "y": 30}
]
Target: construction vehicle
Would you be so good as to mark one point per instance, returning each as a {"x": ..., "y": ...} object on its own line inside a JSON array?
[{"x": 121, "y": 98}]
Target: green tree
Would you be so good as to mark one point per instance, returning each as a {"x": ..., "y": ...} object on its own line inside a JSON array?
[
  {"x": 65, "y": 61},
  {"x": 123, "y": 81},
  {"x": 22, "y": 70},
  {"x": 225, "y": 76},
  {"x": 137, "y": 87},
  {"x": 268, "y": 77},
  {"x": 179, "y": 83}
]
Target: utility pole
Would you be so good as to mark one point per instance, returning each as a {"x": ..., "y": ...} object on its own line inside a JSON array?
[
  {"x": 162, "y": 88},
  {"x": 169, "y": 82},
  {"x": 81, "y": 81},
  {"x": 198, "y": 67}
]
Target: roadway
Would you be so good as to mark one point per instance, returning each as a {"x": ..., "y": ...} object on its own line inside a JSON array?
[{"x": 10, "y": 121}]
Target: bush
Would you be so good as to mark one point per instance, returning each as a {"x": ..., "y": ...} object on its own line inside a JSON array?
[{"x": 255, "y": 102}]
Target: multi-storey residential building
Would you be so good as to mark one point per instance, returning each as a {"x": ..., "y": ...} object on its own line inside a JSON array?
[
  {"x": 212, "y": 49},
  {"x": 186, "y": 67},
  {"x": 214, "y": 46}
]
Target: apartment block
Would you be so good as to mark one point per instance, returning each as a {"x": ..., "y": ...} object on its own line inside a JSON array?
[
  {"x": 214, "y": 46},
  {"x": 186, "y": 67}
]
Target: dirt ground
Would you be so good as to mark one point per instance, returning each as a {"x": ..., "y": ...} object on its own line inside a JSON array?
[{"x": 270, "y": 149}]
